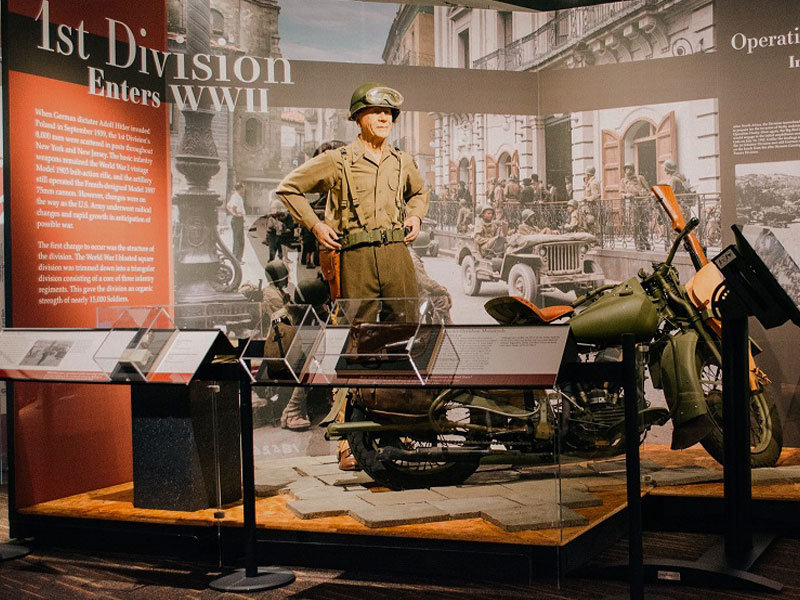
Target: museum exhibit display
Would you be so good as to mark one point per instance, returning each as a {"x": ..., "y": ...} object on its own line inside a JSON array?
[{"x": 205, "y": 203}]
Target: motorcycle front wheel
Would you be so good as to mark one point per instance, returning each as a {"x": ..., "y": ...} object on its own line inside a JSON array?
[
  {"x": 766, "y": 433},
  {"x": 399, "y": 475}
]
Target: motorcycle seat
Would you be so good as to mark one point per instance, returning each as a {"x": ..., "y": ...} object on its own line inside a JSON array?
[{"x": 513, "y": 310}]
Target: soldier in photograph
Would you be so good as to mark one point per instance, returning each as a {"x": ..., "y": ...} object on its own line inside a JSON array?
[
  {"x": 377, "y": 202},
  {"x": 235, "y": 208},
  {"x": 490, "y": 190},
  {"x": 486, "y": 231},
  {"x": 462, "y": 193},
  {"x": 635, "y": 192},
  {"x": 434, "y": 291},
  {"x": 276, "y": 228},
  {"x": 575, "y": 221},
  {"x": 680, "y": 185},
  {"x": 512, "y": 191},
  {"x": 464, "y": 217},
  {"x": 527, "y": 195},
  {"x": 500, "y": 221},
  {"x": 499, "y": 193},
  {"x": 552, "y": 193},
  {"x": 591, "y": 198}
]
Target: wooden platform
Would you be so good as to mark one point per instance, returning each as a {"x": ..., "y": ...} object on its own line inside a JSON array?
[
  {"x": 116, "y": 504},
  {"x": 696, "y": 456}
]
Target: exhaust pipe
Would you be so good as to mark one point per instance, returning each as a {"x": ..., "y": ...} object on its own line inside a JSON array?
[{"x": 435, "y": 454}]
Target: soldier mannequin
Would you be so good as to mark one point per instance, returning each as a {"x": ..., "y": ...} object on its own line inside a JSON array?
[
  {"x": 376, "y": 201},
  {"x": 367, "y": 211}
]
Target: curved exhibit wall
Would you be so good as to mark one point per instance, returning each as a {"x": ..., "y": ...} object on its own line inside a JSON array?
[
  {"x": 88, "y": 224},
  {"x": 121, "y": 157}
]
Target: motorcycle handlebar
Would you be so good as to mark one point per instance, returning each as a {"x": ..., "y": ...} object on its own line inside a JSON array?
[{"x": 693, "y": 222}]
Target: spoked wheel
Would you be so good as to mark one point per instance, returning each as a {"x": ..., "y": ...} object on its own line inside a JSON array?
[
  {"x": 398, "y": 474},
  {"x": 766, "y": 433}
]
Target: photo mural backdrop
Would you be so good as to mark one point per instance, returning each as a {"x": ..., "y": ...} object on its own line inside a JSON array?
[{"x": 202, "y": 94}]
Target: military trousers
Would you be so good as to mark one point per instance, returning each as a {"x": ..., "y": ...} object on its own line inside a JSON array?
[{"x": 380, "y": 272}]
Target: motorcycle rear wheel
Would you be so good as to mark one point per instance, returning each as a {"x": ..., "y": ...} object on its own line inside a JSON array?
[
  {"x": 398, "y": 475},
  {"x": 766, "y": 432}
]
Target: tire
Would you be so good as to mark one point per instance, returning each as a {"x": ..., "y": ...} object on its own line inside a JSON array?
[
  {"x": 766, "y": 431},
  {"x": 522, "y": 282},
  {"x": 469, "y": 277},
  {"x": 396, "y": 475}
]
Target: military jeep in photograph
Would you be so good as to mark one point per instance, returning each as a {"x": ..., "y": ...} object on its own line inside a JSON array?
[{"x": 533, "y": 264}]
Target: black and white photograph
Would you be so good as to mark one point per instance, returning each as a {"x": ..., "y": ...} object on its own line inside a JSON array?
[
  {"x": 768, "y": 194},
  {"x": 46, "y": 353}
]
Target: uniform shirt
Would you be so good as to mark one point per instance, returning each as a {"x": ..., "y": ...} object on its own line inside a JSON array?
[
  {"x": 485, "y": 234},
  {"x": 374, "y": 184},
  {"x": 235, "y": 205},
  {"x": 633, "y": 187},
  {"x": 678, "y": 183},
  {"x": 592, "y": 189}
]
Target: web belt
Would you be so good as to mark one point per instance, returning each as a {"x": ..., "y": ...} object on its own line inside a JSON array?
[{"x": 376, "y": 237}]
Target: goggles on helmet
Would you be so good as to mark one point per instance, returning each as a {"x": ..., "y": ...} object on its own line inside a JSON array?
[{"x": 383, "y": 95}]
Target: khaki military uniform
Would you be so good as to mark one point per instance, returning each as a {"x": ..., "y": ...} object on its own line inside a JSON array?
[
  {"x": 432, "y": 289},
  {"x": 485, "y": 235},
  {"x": 634, "y": 187},
  {"x": 591, "y": 191},
  {"x": 635, "y": 191},
  {"x": 464, "y": 219},
  {"x": 591, "y": 203},
  {"x": 684, "y": 193},
  {"x": 574, "y": 223},
  {"x": 367, "y": 204}
]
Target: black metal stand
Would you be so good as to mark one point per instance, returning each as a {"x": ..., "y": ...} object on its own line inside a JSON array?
[
  {"x": 635, "y": 565},
  {"x": 727, "y": 564},
  {"x": 11, "y": 551},
  {"x": 252, "y": 578}
]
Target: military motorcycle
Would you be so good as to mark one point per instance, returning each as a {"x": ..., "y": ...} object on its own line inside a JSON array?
[{"x": 406, "y": 438}]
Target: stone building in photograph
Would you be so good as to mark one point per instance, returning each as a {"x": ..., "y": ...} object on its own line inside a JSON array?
[
  {"x": 410, "y": 43},
  {"x": 248, "y": 143},
  {"x": 476, "y": 147}
]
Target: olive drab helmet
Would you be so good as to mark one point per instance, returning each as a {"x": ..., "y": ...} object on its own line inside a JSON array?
[
  {"x": 375, "y": 94},
  {"x": 483, "y": 208},
  {"x": 277, "y": 273},
  {"x": 526, "y": 214},
  {"x": 670, "y": 166},
  {"x": 312, "y": 291}
]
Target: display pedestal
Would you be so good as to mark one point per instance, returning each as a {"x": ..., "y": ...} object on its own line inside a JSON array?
[
  {"x": 11, "y": 551},
  {"x": 176, "y": 463},
  {"x": 265, "y": 578}
]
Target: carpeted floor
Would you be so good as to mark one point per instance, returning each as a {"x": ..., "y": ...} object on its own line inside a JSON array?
[{"x": 49, "y": 574}]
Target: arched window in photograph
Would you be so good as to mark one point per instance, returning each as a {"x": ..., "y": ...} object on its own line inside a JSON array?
[
  {"x": 463, "y": 171},
  {"x": 503, "y": 166},
  {"x": 217, "y": 22},
  {"x": 252, "y": 132}
]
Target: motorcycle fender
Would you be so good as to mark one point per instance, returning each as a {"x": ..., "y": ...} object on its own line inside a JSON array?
[
  {"x": 679, "y": 378},
  {"x": 339, "y": 399}
]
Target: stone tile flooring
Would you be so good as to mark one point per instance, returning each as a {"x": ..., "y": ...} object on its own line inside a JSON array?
[{"x": 514, "y": 499}]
